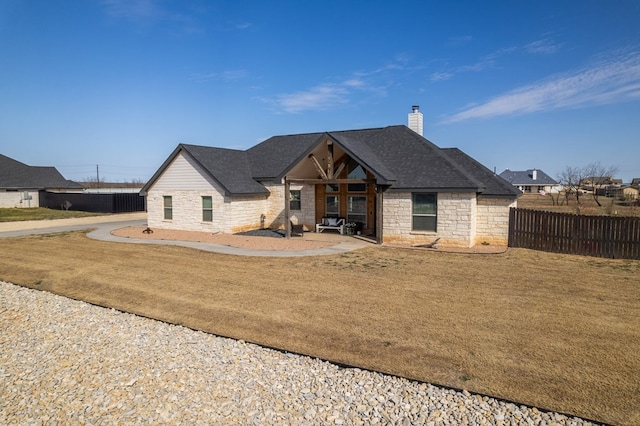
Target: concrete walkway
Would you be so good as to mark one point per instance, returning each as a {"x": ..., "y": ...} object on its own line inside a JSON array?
[{"x": 103, "y": 226}]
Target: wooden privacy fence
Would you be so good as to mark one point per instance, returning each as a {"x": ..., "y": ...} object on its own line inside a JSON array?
[
  {"x": 97, "y": 203},
  {"x": 602, "y": 236}
]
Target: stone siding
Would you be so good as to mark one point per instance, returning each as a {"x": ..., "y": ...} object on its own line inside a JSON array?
[
  {"x": 304, "y": 216},
  {"x": 231, "y": 214},
  {"x": 493, "y": 220},
  {"x": 455, "y": 222}
]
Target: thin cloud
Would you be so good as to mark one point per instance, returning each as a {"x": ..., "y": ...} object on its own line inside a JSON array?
[
  {"x": 324, "y": 96},
  {"x": 486, "y": 62},
  {"x": 458, "y": 41},
  {"x": 144, "y": 13},
  {"x": 543, "y": 46},
  {"x": 440, "y": 76},
  {"x": 133, "y": 9},
  {"x": 608, "y": 81},
  {"x": 321, "y": 97},
  {"x": 230, "y": 75}
]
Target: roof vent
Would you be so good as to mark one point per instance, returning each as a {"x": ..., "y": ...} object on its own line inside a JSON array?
[{"x": 415, "y": 120}]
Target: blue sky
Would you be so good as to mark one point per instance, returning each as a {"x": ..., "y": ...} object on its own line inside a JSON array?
[{"x": 515, "y": 84}]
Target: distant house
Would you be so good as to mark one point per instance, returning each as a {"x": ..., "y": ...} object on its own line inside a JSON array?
[
  {"x": 627, "y": 193},
  {"x": 600, "y": 181},
  {"x": 391, "y": 182},
  {"x": 531, "y": 181},
  {"x": 21, "y": 184}
]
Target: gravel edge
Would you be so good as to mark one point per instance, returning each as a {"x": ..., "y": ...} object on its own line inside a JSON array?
[{"x": 64, "y": 361}]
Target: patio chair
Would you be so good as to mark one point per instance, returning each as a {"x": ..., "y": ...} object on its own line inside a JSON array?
[{"x": 297, "y": 229}]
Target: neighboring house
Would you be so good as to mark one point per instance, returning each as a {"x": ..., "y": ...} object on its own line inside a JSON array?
[
  {"x": 600, "y": 181},
  {"x": 531, "y": 181},
  {"x": 393, "y": 183},
  {"x": 21, "y": 184},
  {"x": 627, "y": 193}
]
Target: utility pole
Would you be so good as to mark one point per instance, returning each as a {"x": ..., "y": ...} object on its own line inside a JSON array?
[{"x": 97, "y": 176}]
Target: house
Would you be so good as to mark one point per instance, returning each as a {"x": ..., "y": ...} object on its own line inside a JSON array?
[
  {"x": 21, "y": 184},
  {"x": 532, "y": 180},
  {"x": 627, "y": 193},
  {"x": 395, "y": 185}
]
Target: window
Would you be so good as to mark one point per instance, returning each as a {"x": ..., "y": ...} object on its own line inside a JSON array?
[
  {"x": 333, "y": 205},
  {"x": 333, "y": 187},
  {"x": 357, "y": 210},
  {"x": 356, "y": 171},
  {"x": 207, "y": 209},
  {"x": 425, "y": 212},
  {"x": 294, "y": 200},
  {"x": 168, "y": 207}
]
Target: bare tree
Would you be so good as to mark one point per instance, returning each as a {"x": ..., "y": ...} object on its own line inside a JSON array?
[
  {"x": 599, "y": 176},
  {"x": 570, "y": 179},
  {"x": 573, "y": 179}
]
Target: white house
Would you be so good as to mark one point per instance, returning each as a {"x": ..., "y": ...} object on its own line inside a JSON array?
[
  {"x": 531, "y": 181},
  {"x": 391, "y": 182}
]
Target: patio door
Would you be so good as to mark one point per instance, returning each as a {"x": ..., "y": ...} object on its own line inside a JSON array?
[{"x": 357, "y": 210}]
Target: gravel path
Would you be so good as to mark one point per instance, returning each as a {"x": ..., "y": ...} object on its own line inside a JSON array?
[{"x": 68, "y": 362}]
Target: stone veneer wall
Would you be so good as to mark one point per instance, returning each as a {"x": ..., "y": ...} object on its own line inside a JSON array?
[
  {"x": 456, "y": 223},
  {"x": 493, "y": 220},
  {"x": 275, "y": 209},
  {"x": 228, "y": 217},
  {"x": 230, "y": 214}
]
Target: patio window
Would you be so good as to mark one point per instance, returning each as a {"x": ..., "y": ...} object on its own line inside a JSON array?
[
  {"x": 332, "y": 206},
  {"x": 168, "y": 207},
  {"x": 333, "y": 187},
  {"x": 356, "y": 171},
  {"x": 295, "y": 202},
  {"x": 357, "y": 210},
  {"x": 207, "y": 209},
  {"x": 425, "y": 212}
]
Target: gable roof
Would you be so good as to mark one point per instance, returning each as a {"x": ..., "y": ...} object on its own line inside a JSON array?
[
  {"x": 229, "y": 168},
  {"x": 397, "y": 157},
  {"x": 414, "y": 162},
  {"x": 495, "y": 185},
  {"x": 16, "y": 175},
  {"x": 526, "y": 177}
]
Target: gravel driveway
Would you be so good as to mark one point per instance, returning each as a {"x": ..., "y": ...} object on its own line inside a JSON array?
[{"x": 67, "y": 362}]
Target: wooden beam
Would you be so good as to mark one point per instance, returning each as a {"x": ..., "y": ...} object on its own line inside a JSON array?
[
  {"x": 379, "y": 210},
  {"x": 328, "y": 181},
  {"x": 340, "y": 168},
  {"x": 287, "y": 199},
  {"x": 318, "y": 166},
  {"x": 330, "y": 174}
]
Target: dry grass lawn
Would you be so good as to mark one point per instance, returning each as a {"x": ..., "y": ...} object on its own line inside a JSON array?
[{"x": 553, "y": 331}]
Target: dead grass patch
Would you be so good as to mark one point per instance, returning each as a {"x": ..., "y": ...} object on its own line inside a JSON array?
[{"x": 554, "y": 331}]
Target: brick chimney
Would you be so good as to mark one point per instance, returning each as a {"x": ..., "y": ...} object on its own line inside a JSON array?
[{"x": 415, "y": 120}]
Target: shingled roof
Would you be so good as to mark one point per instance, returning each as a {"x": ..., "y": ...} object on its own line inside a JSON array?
[
  {"x": 397, "y": 156},
  {"x": 495, "y": 186},
  {"x": 15, "y": 175},
  {"x": 526, "y": 177}
]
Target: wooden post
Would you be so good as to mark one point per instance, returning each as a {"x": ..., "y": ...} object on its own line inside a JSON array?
[
  {"x": 287, "y": 199},
  {"x": 379, "y": 209}
]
